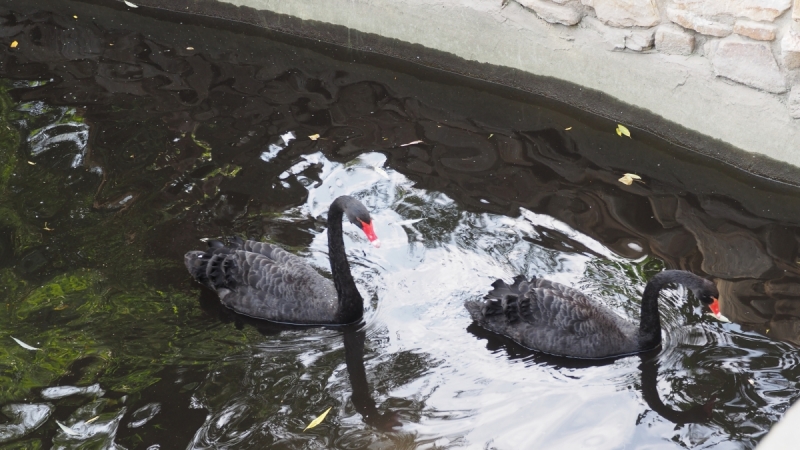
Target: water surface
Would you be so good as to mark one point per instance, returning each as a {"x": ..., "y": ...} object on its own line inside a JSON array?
[{"x": 126, "y": 139}]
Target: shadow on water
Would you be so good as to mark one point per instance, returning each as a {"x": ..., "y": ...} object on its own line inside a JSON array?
[
  {"x": 353, "y": 337},
  {"x": 125, "y": 139},
  {"x": 648, "y": 385}
]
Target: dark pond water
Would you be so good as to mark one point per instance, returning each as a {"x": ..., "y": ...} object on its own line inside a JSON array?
[{"x": 125, "y": 139}]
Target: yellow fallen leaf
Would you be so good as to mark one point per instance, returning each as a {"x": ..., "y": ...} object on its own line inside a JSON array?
[
  {"x": 31, "y": 163},
  {"x": 318, "y": 420},
  {"x": 48, "y": 229},
  {"x": 413, "y": 142},
  {"x": 622, "y": 130},
  {"x": 74, "y": 17},
  {"x": 314, "y": 137},
  {"x": 189, "y": 48},
  {"x": 628, "y": 179},
  {"x": 14, "y": 44},
  {"x": 490, "y": 136},
  {"x": 567, "y": 129}
]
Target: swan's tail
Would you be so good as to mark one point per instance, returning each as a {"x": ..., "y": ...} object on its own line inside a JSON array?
[
  {"x": 502, "y": 290},
  {"x": 216, "y": 267},
  {"x": 512, "y": 301}
]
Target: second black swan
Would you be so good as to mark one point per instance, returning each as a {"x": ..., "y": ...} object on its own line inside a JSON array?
[
  {"x": 556, "y": 319},
  {"x": 266, "y": 282}
]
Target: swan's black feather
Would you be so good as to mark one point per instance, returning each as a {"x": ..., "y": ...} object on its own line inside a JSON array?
[
  {"x": 556, "y": 319},
  {"x": 552, "y": 318},
  {"x": 267, "y": 282}
]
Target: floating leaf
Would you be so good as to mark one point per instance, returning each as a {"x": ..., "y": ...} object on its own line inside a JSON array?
[
  {"x": 411, "y": 143},
  {"x": 31, "y": 163},
  {"x": 67, "y": 429},
  {"x": 567, "y": 129},
  {"x": 189, "y": 48},
  {"x": 74, "y": 17},
  {"x": 314, "y": 137},
  {"x": 131, "y": 4},
  {"x": 381, "y": 172},
  {"x": 490, "y": 136},
  {"x": 621, "y": 130},
  {"x": 628, "y": 179},
  {"x": 92, "y": 419},
  {"x": 48, "y": 229},
  {"x": 318, "y": 420},
  {"x": 24, "y": 345},
  {"x": 14, "y": 44}
]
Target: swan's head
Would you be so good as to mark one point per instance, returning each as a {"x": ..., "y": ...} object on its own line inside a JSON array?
[
  {"x": 358, "y": 215},
  {"x": 708, "y": 294}
]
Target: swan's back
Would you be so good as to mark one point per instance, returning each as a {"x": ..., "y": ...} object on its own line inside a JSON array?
[
  {"x": 264, "y": 281},
  {"x": 555, "y": 319}
]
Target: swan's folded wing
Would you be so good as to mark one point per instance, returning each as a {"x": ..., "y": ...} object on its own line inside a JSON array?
[
  {"x": 273, "y": 252},
  {"x": 561, "y": 307},
  {"x": 286, "y": 291}
]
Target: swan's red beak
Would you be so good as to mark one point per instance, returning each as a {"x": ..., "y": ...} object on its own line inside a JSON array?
[
  {"x": 370, "y": 232},
  {"x": 714, "y": 306}
]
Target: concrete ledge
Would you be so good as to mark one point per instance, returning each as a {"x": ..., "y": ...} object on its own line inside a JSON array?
[{"x": 785, "y": 434}]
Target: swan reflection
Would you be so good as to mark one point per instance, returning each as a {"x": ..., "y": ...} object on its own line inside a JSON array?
[
  {"x": 649, "y": 365},
  {"x": 244, "y": 416}
]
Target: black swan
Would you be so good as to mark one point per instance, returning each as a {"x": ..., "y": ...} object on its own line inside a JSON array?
[
  {"x": 556, "y": 319},
  {"x": 264, "y": 281}
]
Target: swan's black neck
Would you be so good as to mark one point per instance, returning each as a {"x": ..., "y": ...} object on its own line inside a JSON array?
[
  {"x": 351, "y": 305},
  {"x": 650, "y": 325}
]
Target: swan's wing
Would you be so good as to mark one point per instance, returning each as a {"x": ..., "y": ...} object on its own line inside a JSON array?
[
  {"x": 273, "y": 286},
  {"x": 271, "y": 251},
  {"x": 553, "y": 318},
  {"x": 562, "y": 308}
]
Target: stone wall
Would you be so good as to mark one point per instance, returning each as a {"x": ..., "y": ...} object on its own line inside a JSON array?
[{"x": 752, "y": 42}]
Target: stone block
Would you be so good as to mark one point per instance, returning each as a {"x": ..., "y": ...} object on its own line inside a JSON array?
[
  {"x": 760, "y": 10},
  {"x": 697, "y": 23},
  {"x": 614, "y": 37},
  {"x": 749, "y": 63},
  {"x": 674, "y": 40},
  {"x": 627, "y": 13},
  {"x": 796, "y": 10},
  {"x": 638, "y": 40},
  {"x": 790, "y": 50},
  {"x": 568, "y": 14},
  {"x": 755, "y": 30}
]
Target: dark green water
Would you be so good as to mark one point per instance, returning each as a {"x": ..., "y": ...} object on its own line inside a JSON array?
[{"x": 125, "y": 139}]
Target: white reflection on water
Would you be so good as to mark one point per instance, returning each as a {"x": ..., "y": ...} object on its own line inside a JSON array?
[
  {"x": 472, "y": 397},
  {"x": 25, "y": 418}
]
